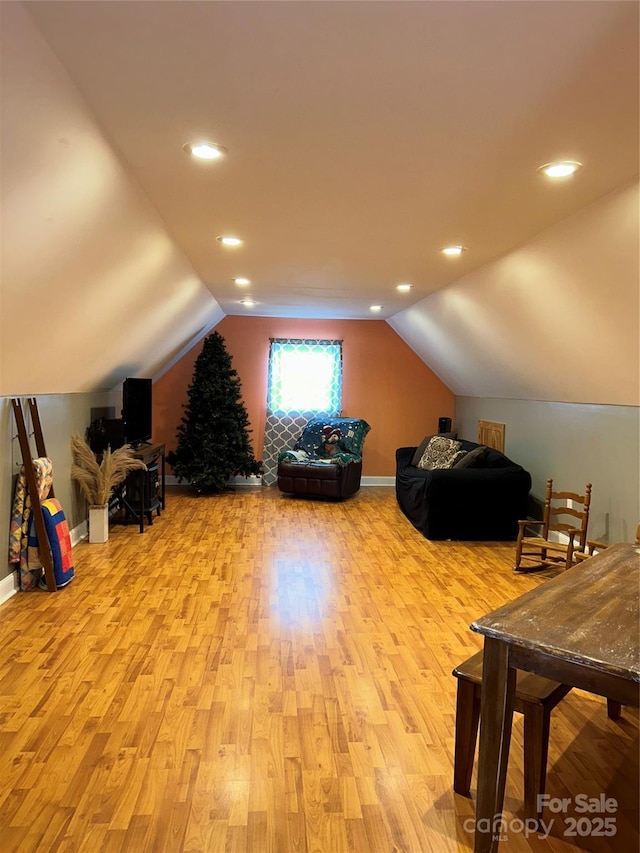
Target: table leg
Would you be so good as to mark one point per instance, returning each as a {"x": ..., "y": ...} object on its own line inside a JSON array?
[
  {"x": 496, "y": 715},
  {"x": 143, "y": 495},
  {"x": 163, "y": 490}
]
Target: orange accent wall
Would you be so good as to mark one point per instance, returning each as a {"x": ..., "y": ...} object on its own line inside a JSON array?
[{"x": 384, "y": 382}]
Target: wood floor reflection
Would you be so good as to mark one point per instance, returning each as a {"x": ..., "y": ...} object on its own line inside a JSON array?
[{"x": 261, "y": 673}]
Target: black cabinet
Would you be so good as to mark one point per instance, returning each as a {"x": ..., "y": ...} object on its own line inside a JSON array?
[{"x": 143, "y": 492}]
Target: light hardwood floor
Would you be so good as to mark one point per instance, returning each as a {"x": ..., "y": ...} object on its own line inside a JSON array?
[{"x": 262, "y": 673}]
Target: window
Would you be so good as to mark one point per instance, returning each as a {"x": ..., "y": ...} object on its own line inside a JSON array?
[{"x": 305, "y": 376}]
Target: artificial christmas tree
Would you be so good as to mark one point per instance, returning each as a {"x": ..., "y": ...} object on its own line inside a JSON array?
[{"x": 213, "y": 438}]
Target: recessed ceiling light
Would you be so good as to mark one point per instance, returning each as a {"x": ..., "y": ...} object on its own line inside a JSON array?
[
  {"x": 242, "y": 282},
  {"x": 452, "y": 250},
  {"x": 248, "y": 303},
  {"x": 375, "y": 308},
  {"x": 561, "y": 169},
  {"x": 229, "y": 240},
  {"x": 205, "y": 150},
  {"x": 404, "y": 287}
]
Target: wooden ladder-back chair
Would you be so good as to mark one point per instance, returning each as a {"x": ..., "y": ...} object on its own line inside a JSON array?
[
  {"x": 593, "y": 546},
  {"x": 565, "y": 516}
]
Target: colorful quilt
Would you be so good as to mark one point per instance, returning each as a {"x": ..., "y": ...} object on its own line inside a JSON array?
[
  {"x": 59, "y": 538},
  {"x": 21, "y": 514}
]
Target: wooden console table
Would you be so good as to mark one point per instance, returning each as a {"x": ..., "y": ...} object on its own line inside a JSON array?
[{"x": 581, "y": 629}]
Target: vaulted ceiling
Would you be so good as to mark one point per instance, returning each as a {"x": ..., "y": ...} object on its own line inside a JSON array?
[{"x": 361, "y": 138}]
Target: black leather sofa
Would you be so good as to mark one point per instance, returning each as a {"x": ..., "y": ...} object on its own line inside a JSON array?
[{"x": 477, "y": 503}]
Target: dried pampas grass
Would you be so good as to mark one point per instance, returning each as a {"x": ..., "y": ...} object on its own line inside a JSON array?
[{"x": 98, "y": 479}]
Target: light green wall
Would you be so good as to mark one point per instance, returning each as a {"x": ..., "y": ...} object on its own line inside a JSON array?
[
  {"x": 573, "y": 444},
  {"x": 61, "y": 415}
]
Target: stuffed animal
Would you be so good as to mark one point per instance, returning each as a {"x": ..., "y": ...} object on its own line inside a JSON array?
[{"x": 331, "y": 439}]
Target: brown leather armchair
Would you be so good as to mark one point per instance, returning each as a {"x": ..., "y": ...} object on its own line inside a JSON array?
[{"x": 326, "y": 460}]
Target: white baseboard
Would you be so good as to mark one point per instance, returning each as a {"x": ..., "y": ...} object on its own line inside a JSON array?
[
  {"x": 253, "y": 480},
  {"x": 8, "y": 587},
  {"x": 80, "y": 532},
  {"x": 170, "y": 480},
  {"x": 378, "y": 481}
]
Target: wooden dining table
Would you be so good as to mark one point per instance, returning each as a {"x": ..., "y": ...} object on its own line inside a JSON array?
[{"x": 581, "y": 629}]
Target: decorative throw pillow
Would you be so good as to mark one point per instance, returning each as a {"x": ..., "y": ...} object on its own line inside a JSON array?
[
  {"x": 420, "y": 449},
  {"x": 440, "y": 452},
  {"x": 472, "y": 459}
]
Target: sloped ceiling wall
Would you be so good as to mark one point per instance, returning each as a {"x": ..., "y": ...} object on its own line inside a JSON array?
[
  {"x": 92, "y": 288},
  {"x": 558, "y": 319}
]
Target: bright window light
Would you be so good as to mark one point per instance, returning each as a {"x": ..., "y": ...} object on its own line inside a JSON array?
[{"x": 305, "y": 377}]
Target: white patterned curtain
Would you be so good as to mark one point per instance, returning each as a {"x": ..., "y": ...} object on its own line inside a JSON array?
[{"x": 305, "y": 381}]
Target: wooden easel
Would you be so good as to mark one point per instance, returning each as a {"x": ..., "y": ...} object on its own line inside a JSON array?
[{"x": 30, "y": 474}]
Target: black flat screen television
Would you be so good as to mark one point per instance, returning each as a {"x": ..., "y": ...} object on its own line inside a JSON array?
[{"x": 136, "y": 410}]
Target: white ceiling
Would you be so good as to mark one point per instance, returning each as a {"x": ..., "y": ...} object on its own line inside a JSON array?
[{"x": 362, "y": 136}]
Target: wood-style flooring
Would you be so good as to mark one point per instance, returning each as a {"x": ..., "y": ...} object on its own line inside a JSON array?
[{"x": 263, "y": 673}]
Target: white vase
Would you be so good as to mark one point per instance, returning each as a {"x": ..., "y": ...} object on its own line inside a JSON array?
[{"x": 98, "y": 523}]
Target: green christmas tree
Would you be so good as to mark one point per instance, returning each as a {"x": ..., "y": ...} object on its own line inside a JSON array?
[{"x": 213, "y": 436}]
